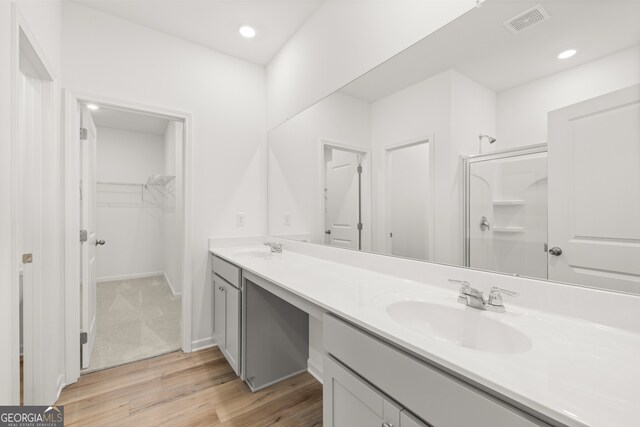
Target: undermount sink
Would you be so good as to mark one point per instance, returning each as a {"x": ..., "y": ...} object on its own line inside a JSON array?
[
  {"x": 466, "y": 327},
  {"x": 254, "y": 252}
]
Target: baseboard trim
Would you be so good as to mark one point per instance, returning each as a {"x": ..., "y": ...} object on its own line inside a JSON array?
[
  {"x": 314, "y": 370},
  {"x": 203, "y": 344},
  {"x": 173, "y": 291},
  {"x": 130, "y": 276}
]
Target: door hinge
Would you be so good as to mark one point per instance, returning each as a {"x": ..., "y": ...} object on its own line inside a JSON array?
[
  {"x": 359, "y": 168},
  {"x": 83, "y": 236},
  {"x": 27, "y": 258},
  {"x": 83, "y": 134},
  {"x": 390, "y": 234},
  {"x": 359, "y": 226},
  {"x": 83, "y": 338}
]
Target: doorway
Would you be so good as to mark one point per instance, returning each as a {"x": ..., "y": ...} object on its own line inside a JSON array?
[
  {"x": 131, "y": 288},
  {"x": 345, "y": 196},
  {"x": 130, "y": 208},
  {"x": 409, "y": 211}
]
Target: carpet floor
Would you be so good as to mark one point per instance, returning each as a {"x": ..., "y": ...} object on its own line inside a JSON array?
[{"x": 135, "y": 319}]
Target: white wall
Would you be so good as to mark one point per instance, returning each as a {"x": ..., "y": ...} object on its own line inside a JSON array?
[
  {"x": 453, "y": 110},
  {"x": 43, "y": 19},
  {"x": 127, "y": 156},
  {"x": 171, "y": 243},
  {"x": 113, "y": 57},
  {"x": 417, "y": 112},
  {"x": 343, "y": 40},
  {"x": 134, "y": 233},
  {"x": 295, "y": 166},
  {"x": 522, "y": 110}
]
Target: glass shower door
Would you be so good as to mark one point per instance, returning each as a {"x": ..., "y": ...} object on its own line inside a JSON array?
[{"x": 507, "y": 218}]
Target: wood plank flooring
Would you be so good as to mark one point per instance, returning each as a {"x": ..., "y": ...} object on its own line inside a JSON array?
[{"x": 197, "y": 389}]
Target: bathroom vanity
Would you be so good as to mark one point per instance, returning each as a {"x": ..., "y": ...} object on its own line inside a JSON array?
[
  {"x": 398, "y": 352},
  {"x": 263, "y": 337}
]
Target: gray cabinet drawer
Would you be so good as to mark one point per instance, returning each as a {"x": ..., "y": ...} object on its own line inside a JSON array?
[
  {"x": 436, "y": 397},
  {"x": 226, "y": 270}
]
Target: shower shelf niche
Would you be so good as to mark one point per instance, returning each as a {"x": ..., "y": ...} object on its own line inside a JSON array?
[
  {"x": 508, "y": 229},
  {"x": 508, "y": 202}
]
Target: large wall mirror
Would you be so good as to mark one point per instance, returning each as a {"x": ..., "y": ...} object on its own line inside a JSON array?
[{"x": 508, "y": 141}]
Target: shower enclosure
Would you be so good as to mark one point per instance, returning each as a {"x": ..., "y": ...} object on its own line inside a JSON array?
[{"x": 505, "y": 211}]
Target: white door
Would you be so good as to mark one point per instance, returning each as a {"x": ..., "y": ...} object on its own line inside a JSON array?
[
  {"x": 342, "y": 198},
  {"x": 30, "y": 131},
  {"x": 87, "y": 222},
  {"x": 594, "y": 197},
  {"x": 408, "y": 187}
]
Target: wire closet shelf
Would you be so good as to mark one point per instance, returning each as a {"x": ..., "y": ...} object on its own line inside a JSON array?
[{"x": 157, "y": 192}]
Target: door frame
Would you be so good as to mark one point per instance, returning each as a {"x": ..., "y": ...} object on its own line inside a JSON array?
[
  {"x": 428, "y": 139},
  {"x": 46, "y": 251},
  {"x": 72, "y": 218},
  {"x": 466, "y": 162},
  {"x": 366, "y": 188}
]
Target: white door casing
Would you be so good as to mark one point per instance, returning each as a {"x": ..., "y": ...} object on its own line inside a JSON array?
[
  {"x": 88, "y": 223},
  {"x": 594, "y": 208},
  {"x": 73, "y": 301}
]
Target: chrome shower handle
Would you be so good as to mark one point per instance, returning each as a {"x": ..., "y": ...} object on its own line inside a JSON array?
[{"x": 484, "y": 224}]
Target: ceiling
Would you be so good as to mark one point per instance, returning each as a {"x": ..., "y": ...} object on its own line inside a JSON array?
[
  {"x": 214, "y": 23},
  {"x": 127, "y": 120},
  {"x": 479, "y": 46}
]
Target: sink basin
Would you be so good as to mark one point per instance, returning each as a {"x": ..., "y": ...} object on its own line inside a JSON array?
[
  {"x": 466, "y": 327},
  {"x": 254, "y": 252}
]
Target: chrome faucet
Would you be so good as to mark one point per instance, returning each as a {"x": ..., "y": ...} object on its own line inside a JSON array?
[
  {"x": 276, "y": 248},
  {"x": 474, "y": 298}
]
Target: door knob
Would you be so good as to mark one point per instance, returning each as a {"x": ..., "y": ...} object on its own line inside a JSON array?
[
  {"x": 327, "y": 232},
  {"x": 100, "y": 242},
  {"x": 555, "y": 251}
]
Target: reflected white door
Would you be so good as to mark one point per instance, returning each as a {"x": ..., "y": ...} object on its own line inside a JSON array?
[
  {"x": 87, "y": 222},
  {"x": 408, "y": 186},
  {"x": 594, "y": 204},
  {"x": 342, "y": 208}
]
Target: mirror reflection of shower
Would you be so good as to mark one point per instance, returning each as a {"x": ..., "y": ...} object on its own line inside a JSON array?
[
  {"x": 489, "y": 139},
  {"x": 506, "y": 211}
]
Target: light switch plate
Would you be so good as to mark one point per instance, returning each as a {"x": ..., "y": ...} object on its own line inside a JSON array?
[
  {"x": 287, "y": 218},
  {"x": 241, "y": 219}
]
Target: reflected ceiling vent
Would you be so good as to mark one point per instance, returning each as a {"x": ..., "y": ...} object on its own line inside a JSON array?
[{"x": 526, "y": 19}]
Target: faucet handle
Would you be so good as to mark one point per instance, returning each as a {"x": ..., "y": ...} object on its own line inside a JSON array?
[
  {"x": 495, "y": 297},
  {"x": 496, "y": 290},
  {"x": 462, "y": 283},
  {"x": 464, "y": 286}
]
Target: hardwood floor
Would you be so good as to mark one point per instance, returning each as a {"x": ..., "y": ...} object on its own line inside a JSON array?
[{"x": 197, "y": 389}]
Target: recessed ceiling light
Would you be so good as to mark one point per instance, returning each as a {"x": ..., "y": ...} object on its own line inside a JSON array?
[
  {"x": 567, "y": 54},
  {"x": 247, "y": 31},
  {"x": 92, "y": 107}
]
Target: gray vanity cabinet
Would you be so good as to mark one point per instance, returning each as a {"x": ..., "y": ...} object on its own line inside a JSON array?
[
  {"x": 351, "y": 402},
  {"x": 426, "y": 391},
  {"x": 226, "y": 306}
]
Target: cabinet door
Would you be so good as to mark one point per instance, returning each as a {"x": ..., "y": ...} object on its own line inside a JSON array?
[
  {"x": 219, "y": 312},
  {"x": 348, "y": 401},
  {"x": 232, "y": 326}
]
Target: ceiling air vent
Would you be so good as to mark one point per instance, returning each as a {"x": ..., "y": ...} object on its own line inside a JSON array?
[{"x": 526, "y": 19}]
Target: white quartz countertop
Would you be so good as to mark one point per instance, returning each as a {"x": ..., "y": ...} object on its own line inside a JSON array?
[{"x": 575, "y": 372}]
